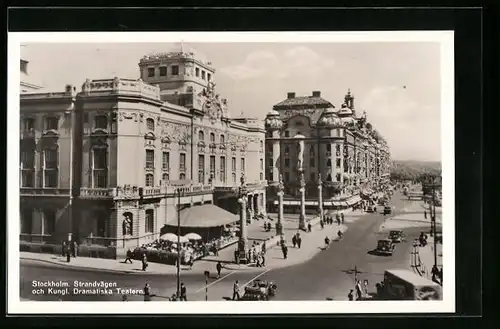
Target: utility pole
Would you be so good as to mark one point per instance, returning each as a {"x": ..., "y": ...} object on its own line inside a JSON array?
[{"x": 178, "y": 242}]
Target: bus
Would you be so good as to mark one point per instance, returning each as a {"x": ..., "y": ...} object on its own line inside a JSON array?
[{"x": 407, "y": 285}]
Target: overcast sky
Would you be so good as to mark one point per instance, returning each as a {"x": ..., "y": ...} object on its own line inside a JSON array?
[{"x": 397, "y": 84}]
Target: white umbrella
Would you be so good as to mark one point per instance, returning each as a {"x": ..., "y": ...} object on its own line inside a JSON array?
[
  {"x": 192, "y": 236},
  {"x": 169, "y": 237}
]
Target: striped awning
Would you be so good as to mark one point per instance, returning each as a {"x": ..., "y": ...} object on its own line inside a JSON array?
[{"x": 354, "y": 200}]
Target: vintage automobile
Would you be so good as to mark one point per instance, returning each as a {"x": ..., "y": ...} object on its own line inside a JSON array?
[
  {"x": 396, "y": 236},
  {"x": 387, "y": 210},
  {"x": 260, "y": 290},
  {"x": 370, "y": 209},
  {"x": 385, "y": 247}
]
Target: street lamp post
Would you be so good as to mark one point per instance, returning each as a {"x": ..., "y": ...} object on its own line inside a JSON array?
[
  {"x": 279, "y": 224},
  {"x": 242, "y": 243},
  {"x": 178, "y": 190},
  {"x": 320, "y": 197}
]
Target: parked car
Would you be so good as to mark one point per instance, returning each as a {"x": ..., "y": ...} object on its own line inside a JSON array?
[
  {"x": 385, "y": 247},
  {"x": 396, "y": 236},
  {"x": 260, "y": 290},
  {"x": 370, "y": 209},
  {"x": 387, "y": 210}
]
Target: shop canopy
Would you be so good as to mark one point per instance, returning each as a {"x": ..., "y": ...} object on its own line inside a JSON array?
[
  {"x": 204, "y": 216},
  {"x": 354, "y": 200}
]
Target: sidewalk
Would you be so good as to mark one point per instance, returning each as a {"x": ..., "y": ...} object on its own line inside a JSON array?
[
  {"x": 426, "y": 255},
  {"x": 312, "y": 243},
  {"x": 408, "y": 221}
]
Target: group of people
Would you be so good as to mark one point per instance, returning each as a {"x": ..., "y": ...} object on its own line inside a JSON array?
[
  {"x": 360, "y": 290},
  {"x": 69, "y": 249},
  {"x": 339, "y": 218}
]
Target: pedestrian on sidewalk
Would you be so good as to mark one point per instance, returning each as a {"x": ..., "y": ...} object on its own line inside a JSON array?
[
  {"x": 299, "y": 240},
  {"x": 258, "y": 264},
  {"x": 342, "y": 217},
  {"x": 264, "y": 248},
  {"x": 129, "y": 256},
  {"x": 435, "y": 273},
  {"x": 294, "y": 240},
  {"x": 350, "y": 295},
  {"x": 191, "y": 262},
  {"x": 284, "y": 249},
  {"x": 236, "y": 290},
  {"x": 147, "y": 293},
  {"x": 263, "y": 260},
  {"x": 63, "y": 248},
  {"x": 183, "y": 292},
  {"x": 74, "y": 249},
  {"x": 365, "y": 287},
  {"x": 321, "y": 224},
  {"x": 219, "y": 269},
  {"x": 425, "y": 214},
  {"x": 309, "y": 228},
  {"x": 144, "y": 262}
]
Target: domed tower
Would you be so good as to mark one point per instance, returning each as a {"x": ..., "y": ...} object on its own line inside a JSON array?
[
  {"x": 181, "y": 73},
  {"x": 273, "y": 125}
]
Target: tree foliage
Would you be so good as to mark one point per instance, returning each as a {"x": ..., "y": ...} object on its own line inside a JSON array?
[{"x": 415, "y": 170}]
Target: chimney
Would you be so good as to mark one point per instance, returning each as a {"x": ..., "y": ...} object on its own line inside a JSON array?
[
  {"x": 290, "y": 95},
  {"x": 316, "y": 94}
]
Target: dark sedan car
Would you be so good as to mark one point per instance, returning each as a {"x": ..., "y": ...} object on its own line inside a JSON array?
[{"x": 385, "y": 247}]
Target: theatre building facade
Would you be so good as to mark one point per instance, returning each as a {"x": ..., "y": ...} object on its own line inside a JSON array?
[
  {"x": 308, "y": 138},
  {"x": 112, "y": 163}
]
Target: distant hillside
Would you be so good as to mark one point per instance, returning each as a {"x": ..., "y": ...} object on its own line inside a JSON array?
[{"x": 414, "y": 170}]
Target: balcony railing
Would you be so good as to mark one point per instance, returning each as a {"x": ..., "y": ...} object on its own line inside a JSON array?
[
  {"x": 44, "y": 191},
  {"x": 97, "y": 193}
]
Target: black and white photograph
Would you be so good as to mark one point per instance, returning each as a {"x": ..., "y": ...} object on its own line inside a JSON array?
[{"x": 229, "y": 172}]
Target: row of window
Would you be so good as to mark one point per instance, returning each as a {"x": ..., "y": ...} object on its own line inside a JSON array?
[
  {"x": 48, "y": 224},
  {"x": 174, "y": 70},
  {"x": 339, "y": 133},
  {"x": 52, "y": 122}
]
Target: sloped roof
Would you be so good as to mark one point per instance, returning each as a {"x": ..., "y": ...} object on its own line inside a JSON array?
[
  {"x": 303, "y": 100},
  {"x": 206, "y": 215}
]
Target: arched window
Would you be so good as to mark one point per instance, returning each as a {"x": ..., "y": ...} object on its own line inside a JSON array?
[
  {"x": 222, "y": 140},
  {"x": 101, "y": 122},
  {"x": 337, "y": 149},
  {"x": 28, "y": 124},
  {"x": 99, "y": 167},
  {"x": 128, "y": 224},
  {"x": 150, "y": 124},
  {"x": 212, "y": 138},
  {"x": 102, "y": 224},
  {"x": 311, "y": 150},
  {"x": 150, "y": 221},
  {"x": 165, "y": 178},
  {"x": 149, "y": 180},
  {"x": 182, "y": 176},
  {"x": 201, "y": 136}
]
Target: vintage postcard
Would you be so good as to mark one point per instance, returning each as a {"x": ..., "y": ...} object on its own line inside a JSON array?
[{"x": 272, "y": 172}]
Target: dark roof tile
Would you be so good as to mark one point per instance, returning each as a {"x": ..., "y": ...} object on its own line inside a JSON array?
[{"x": 303, "y": 100}]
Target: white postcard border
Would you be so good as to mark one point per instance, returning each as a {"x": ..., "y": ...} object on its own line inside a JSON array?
[{"x": 447, "y": 305}]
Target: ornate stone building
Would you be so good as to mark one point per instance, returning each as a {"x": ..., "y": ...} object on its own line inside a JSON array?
[
  {"x": 309, "y": 135},
  {"x": 105, "y": 163},
  {"x": 27, "y": 83}
]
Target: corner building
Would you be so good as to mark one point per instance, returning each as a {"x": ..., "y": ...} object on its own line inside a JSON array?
[
  {"x": 106, "y": 163},
  {"x": 340, "y": 145}
]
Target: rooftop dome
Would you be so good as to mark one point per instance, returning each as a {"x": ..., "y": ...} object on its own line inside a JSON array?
[
  {"x": 272, "y": 113},
  {"x": 345, "y": 111},
  {"x": 273, "y": 122},
  {"x": 329, "y": 119}
]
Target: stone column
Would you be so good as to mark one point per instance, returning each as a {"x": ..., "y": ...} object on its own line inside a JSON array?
[
  {"x": 279, "y": 224},
  {"x": 264, "y": 203},
  {"x": 302, "y": 190},
  {"x": 276, "y": 155},
  {"x": 251, "y": 198},
  {"x": 320, "y": 196},
  {"x": 243, "y": 242}
]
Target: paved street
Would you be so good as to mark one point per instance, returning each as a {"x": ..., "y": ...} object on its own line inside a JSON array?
[{"x": 327, "y": 275}]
